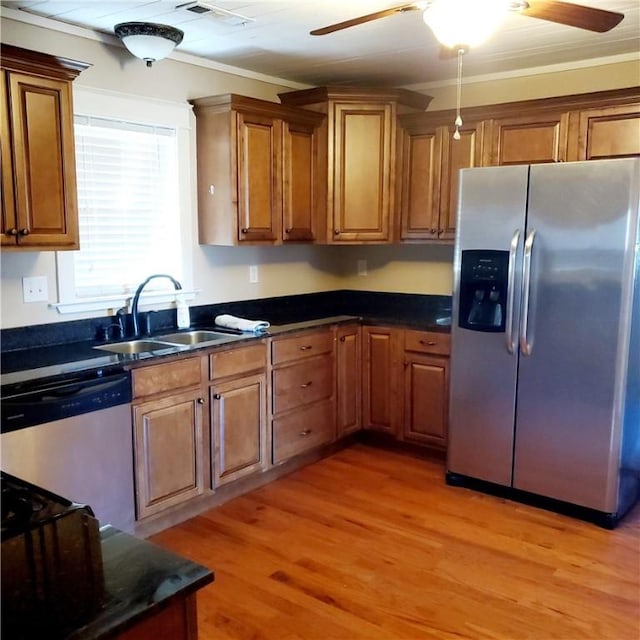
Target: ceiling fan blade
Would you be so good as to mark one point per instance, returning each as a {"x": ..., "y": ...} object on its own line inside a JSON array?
[
  {"x": 362, "y": 19},
  {"x": 573, "y": 15}
]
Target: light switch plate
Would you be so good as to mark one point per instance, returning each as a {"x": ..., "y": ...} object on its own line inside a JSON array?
[
  {"x": 35, "y": 289},
  {"x": 253, "y": 274},
  {"x": 362, "y": 267}
]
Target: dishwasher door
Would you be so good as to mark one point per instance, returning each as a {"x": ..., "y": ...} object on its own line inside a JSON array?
[{"x": 86, "y": 458}]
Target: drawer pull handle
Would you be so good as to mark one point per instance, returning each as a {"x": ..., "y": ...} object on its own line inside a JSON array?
[
  {"x": 306, "y": 385},
  {"x": 306, "y": 347},
  {"x": 306, "y": 432},
  {"x": 430, "y": 343}
]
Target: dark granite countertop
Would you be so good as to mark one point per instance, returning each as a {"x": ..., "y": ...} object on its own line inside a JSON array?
[
  {"x": 130, "y": 580},
  {"x": 32, "y": 360},
  {"x": 139, "y": 578}
]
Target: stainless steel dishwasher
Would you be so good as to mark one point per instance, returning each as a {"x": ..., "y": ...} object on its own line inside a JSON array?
[{"x": 74, "y": 437}]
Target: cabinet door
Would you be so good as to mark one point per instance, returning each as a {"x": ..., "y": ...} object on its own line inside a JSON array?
[
  {"x": 426, "y": 394},
  {"x": 168, "y": 440},
  {"x": 528, "y": 139},
  {"x": 382, "y": 406},
  {"x": 456, "y": 155},
  {"x": 610, "y": 132},
  {"x": 43, "y": 161},
  {"x": 299, "y": 182},
  {"x": 420, "y": 195},
  {"x": 8, "y": 219},
  {"x": 259, "y": 191},
  {"x": 238, "y": 423},
  {"x": 348, "y": 376},
  {"x": 361, "y": 154}
]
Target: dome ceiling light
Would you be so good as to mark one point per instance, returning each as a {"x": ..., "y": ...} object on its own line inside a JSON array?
[{"x": 147, "y": 40}]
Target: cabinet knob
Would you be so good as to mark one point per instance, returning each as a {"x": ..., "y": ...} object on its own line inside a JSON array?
[
  {"x": 306, "y": 385},
  {"x": 12, "y": 232},
  {"x": 434, "y": 231},
  {"x": 24, "y": 232},
  {"x": 216, "y": 396},
  {"x": 336, "y": 232},
  {"x": 287, "y": 231},
  {"x": 306, "y": 432},
  {"x": 342, "y": 338},
  {"x": 200, "y": 400},
  {"x": 245, "y": 230}
]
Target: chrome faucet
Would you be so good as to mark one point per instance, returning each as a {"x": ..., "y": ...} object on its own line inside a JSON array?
[{"x": 136, "y": 298}]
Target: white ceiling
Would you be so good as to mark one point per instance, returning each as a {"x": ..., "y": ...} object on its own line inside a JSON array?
[{"x": 394, "y": 51}]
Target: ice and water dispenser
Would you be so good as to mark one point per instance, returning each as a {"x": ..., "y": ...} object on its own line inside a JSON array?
[{"x": 483, "y": 290}]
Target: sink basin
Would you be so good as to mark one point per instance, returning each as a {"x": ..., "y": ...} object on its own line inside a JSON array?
[
  {"x": 195, "y": 337},
  {"x": 136, "y": 346}
]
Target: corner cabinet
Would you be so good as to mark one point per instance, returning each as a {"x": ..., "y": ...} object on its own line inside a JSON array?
[
  {"x": 257, "y": 164},
  {"x": 39, "y": 200},
  {"x": 358, "y": 157},
  {"x": 348, "y": 376}
]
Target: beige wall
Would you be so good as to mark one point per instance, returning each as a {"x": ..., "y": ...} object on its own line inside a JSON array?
[{"x": 222, "y": 272}]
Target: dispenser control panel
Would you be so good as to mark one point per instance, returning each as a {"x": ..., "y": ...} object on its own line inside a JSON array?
[{"x": 483, "y": 290}]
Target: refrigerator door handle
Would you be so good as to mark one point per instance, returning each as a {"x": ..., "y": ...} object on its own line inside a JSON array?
[
  {"x": 525, "y": 346},
  {"x": 511, "y": 274}
]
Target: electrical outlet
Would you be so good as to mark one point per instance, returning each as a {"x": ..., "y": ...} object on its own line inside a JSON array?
[
  {"x": 35, "y": 289},
  {"x": 362, "y": 267},
  {"x": 253, "y": 273}
]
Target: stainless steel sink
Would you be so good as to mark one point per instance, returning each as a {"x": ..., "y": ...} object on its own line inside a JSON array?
[
  {"x": 195, "y": 337},
  {"x": 137, "y": 346}
]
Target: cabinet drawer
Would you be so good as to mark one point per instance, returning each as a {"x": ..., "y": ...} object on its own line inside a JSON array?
[
  {"x": 302, "y": 383},
  {"x": 303, "y": 430},
  {"x": 223, "y": 364},
  {"x": 427, "y": 342},
  {"x": 158, "y": 378},
  {"x": 302, "y": 346}
]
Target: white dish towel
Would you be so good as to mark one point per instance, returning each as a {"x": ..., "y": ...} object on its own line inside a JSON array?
[{"x": 242, "y": 324}]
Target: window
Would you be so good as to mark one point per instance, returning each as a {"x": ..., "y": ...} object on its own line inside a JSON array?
[
  {"x": 127, "y": 205},
  {"x": 133, "y": 166}
]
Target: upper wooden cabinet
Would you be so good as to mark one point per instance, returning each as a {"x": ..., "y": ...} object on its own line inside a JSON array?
[
  {"x": 358, "y": 157},
  {"x": 606, "y": 132},
  {"x": 430, "y": 160},
  {"x": 579, "y": 127},
  {"x": 39, "y": 199},
  {"x": 256, "y": 171},
  {"x": 527, "y": 139}
]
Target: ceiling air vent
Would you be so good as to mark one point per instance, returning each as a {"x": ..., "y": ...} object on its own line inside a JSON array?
[{"x": 211, "y": 11}]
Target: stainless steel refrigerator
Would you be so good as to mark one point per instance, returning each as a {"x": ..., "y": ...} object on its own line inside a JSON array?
[{"x": 545, "y": 361}]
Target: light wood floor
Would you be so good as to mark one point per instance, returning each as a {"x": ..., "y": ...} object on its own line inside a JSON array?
[{"x": 372, "y": 544}]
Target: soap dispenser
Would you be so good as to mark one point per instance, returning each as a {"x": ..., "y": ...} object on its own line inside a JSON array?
[{"x": 182, "y": 316}]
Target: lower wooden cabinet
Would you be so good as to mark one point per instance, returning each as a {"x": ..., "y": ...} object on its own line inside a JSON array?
[
  {"x": 238, "y": 426},
  {"x": 238, "y": 401},
  {"x": 303, "y": 414},
  {"x": 168, "y": 442},
  {"x": 381, "y": 398},
  {"x": 348, "y": 377}
]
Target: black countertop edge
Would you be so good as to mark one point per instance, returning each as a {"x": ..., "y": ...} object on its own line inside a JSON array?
[{"x": 140, "y": 578}]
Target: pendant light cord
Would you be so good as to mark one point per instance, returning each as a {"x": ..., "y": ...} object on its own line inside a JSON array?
[{"x": 458, "y": 120}]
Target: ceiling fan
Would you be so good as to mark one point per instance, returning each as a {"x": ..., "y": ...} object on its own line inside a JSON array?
[
  {"x": 443, "y": 15},
  {"x": 461, "y": 24}
]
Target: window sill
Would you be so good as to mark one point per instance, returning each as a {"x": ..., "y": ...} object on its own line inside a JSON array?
[{"x": 107, "y": 303}]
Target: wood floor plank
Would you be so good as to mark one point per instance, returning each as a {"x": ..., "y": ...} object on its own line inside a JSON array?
[{"x": 371, "y": 544}]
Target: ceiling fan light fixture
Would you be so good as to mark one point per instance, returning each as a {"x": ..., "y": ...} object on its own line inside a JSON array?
[
  {"x": 465, "y": 23},
  {"x": 149, "y": 41}
]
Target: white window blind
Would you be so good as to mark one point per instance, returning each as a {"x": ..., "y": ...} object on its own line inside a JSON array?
[{"x": 128, "y": 205}]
